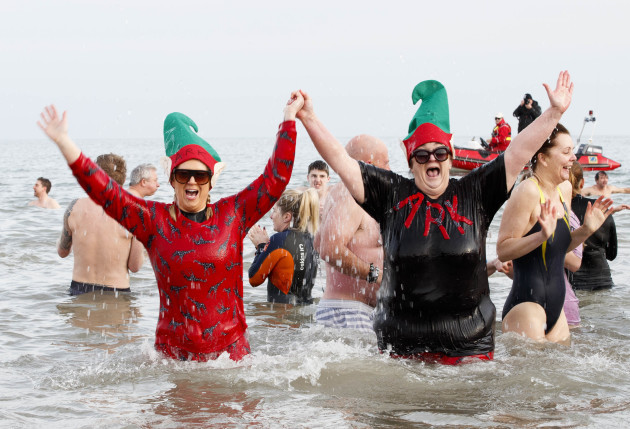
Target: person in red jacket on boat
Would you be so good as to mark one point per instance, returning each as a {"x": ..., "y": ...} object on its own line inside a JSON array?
[
  {"x": 195, "y": 246},
  {"x": 501, "y": 134}
]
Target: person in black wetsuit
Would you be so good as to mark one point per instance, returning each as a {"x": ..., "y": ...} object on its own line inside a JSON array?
[
  {"x": 288, "y": 259},
  {"x": 535, "y": 234},
  {"x": 599, "y": 248},
  {"x": 434, "y": 300}
]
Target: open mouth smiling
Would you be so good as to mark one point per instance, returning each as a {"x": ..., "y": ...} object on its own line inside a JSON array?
[
  {"x": 433, "y": 172},
  {"x": 191, "y": 194}
]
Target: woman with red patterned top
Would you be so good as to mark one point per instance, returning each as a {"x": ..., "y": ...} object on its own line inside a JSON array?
[{"x": 195, "y": 247}]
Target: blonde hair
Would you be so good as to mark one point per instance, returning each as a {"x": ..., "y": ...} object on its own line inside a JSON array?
[{"x": 303, "y": 206}]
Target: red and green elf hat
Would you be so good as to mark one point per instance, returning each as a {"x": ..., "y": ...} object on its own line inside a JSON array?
[
  {"x": 182, "y": 143},
  {"x": 431, "y": 121}
]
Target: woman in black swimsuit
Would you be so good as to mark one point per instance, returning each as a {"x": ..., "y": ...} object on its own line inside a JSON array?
[{"x": 535, "y": 234}]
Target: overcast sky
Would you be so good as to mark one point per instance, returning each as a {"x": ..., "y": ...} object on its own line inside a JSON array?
[{"x": 119, "y": 67}]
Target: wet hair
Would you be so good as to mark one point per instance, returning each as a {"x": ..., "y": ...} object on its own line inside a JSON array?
[
  {"x": 143, "y": 171},
  {"x": 303, "y": 206},
  {"x": 600, "y": 173},
  {"x": 548, "y": 144},
  {"x": 576, "y": 175},
  {"x": 318, "y": 165},
  {"x": 46, "y": 183},
  {"x": 114, "y": 165}
]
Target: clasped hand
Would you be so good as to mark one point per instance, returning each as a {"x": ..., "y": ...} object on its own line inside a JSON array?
[{"x": 258, "y": 235}]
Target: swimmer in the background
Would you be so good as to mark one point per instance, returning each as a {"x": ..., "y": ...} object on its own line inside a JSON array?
[
  {"x": 41, "y": 189},
  {"x": 104, "y": 252},
  {"x": 318, "y": 177},
  {"x": 594, "y": 271},
  {"x": 288, "y": 260},
  {"x": 350, "y": 243},
  {"x": 143, "y": 181},
  {"x": 601, "y": 187}
]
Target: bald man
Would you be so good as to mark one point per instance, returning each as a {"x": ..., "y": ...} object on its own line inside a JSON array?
[{"x": 349, "y": 241}]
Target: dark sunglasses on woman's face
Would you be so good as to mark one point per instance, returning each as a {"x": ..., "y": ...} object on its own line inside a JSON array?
[
  {"x": 201, "y": 176},
  {"x": 422, "y": 156}
]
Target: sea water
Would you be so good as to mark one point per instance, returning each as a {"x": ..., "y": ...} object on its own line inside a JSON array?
[{"x": 89, "y": 361}]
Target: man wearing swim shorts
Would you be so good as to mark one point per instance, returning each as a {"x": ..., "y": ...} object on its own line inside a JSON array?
[
  {"x": 104, "y": 252},
  {"x": 349, "y": 241}
]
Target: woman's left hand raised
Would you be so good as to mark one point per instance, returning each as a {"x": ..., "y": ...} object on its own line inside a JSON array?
[
  {"x": 597, "y": 213},
  {"x": 547, "y": 219},
  {"x": 560, "y": 98}
]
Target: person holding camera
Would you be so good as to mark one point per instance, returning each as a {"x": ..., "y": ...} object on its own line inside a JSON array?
[{"x": 526, "y": 112}]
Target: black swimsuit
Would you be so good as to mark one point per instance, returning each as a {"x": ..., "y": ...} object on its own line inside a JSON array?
[
  {"x": 539, "y": 275},
  {"x": 599, "y": 248}
]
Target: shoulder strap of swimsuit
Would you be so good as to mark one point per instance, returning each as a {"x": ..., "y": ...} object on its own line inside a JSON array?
[
  {"x": 542, "y": 196},
  {"x": 564, "y": 205}
]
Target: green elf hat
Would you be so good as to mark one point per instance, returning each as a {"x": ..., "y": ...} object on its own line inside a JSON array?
[
  {"x": 431, "y": 121},
  {"x": 182, "y": 143}
]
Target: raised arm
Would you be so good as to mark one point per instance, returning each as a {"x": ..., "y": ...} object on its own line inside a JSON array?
[
  {"x": 56, "y": 128},
  {"x": 528, "y": 141},
  {"x": 128, "y": 210},
  {"x": 331, "y": 150},
  {"x": 258, "y": 198}
]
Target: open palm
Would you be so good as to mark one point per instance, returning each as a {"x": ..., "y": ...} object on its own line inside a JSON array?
[
  {"x": 52, "y": 124},
  {"x": 560, "y": 97}
]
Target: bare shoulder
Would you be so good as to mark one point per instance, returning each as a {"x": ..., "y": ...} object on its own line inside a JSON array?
[
  {"x": 524, "y": 199},
  {"x": 339, "y": 199},
  {"x": 567, "y": 189},
  {"x": 339, "y": 190},
  {"x": 70, "y": 207},
  {"x": 341, "y": 211},
  {"x": 526, "y": 189},
  {"x": 52, "y": 204}
]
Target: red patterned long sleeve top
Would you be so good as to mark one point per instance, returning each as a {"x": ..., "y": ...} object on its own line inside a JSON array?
[{"x": 198, "y": 266}]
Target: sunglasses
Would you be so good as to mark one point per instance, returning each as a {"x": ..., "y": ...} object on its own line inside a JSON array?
[
  {"x": 496, "y": 119},
  {"x": 422, "y": 156},
  {"x": 201, "y": 176}
]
